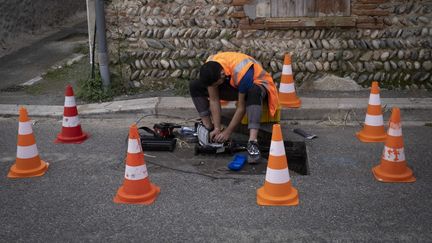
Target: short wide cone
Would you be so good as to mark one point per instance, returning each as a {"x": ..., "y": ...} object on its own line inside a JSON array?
[
  {"x": 393, "y": 166},
  {"x": 28, "y": 162}
]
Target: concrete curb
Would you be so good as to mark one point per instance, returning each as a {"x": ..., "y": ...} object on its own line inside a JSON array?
[{"x": 413, "y": 109}]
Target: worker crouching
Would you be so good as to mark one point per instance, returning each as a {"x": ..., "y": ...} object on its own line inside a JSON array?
[{"x": 237, "y": 77}]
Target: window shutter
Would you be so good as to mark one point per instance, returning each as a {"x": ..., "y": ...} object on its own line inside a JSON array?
[{"x": 307, "y": 8}]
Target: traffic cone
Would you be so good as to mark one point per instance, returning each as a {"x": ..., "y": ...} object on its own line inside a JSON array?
[
  {"x": 136, "y": 188},
  {"x": 277, "y": 189},
  {"x": 393, "y": 167},
  {"x": 28, "y": 162},
  {"x": 71, "y": 129},
  {"x": 287, "y": 94},
  {"x": 373, "y": 130}
]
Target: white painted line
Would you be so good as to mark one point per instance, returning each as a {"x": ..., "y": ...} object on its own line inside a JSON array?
[{"x": 32, "y": 81}]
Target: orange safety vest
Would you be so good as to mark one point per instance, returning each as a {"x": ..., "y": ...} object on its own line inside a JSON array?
[{"x": 237, "y": 64}]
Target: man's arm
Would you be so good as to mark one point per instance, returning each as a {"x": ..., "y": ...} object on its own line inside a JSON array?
[
  {"x": 239, "y": 113},
  {"x": 215, "y": 107}
]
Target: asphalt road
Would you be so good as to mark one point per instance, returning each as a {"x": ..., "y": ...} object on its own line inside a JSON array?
[{"x": 339, "y": 201}]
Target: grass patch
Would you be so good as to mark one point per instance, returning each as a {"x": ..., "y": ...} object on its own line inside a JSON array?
[
  {"x": 181, "y": 87},
  {"x": 82, "y": 48},
  {"x": 57, "y": 79}
]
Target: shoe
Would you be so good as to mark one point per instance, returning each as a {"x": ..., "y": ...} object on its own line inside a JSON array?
[
  {"x": 237, "y": 162},
  {"x": 254, "y": 154}
]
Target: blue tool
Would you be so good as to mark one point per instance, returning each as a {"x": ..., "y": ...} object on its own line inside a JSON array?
[{"x": 237, "y": 163}]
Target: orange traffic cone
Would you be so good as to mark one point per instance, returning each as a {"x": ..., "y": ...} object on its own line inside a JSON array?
[
  {"x": 28, "y": 162},
  {"x": 71, "y": 129},
  {"x": 393, "y": 167},
  {"x": 287, "y": 94},
  {"x": 136, "y": 188},
  {"x": 277, "y": 189},
  {"x": 373, "y": 130}
]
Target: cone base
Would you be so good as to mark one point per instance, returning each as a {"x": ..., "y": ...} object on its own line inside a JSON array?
[
  {"x": 366, "y": 138},
  {"x": 291, "y": 104},
  {"x": 145, "y": 199},
  {"x": 78, "y": 139},
  {"x": 17, "y": 173},
  {"x": 387, "y": 177},
  {"x": 263, "y": 199}
]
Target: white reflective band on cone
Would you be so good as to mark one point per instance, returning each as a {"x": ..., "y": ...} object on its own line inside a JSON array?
[
  {"x": 277, "y": 176},
  {"x": 25, "y": 128},
  {"x": 286, "y": 88},
  {"x": 69, "y": 101},
  {"x": 395, "y": 132},
  {"x": 286, "y": 70},
  {"x": 70, "y": 121},
  {"x": 393, "y": 154},
  {"x": 27, "y": 152},
  {"x": 374, "y": 99},
  {"x": 375, "y": 121},
  {"x": 134, "y": 173},
  {"x": 277, "y": 148},
  {"x": 133, "y": 146}
]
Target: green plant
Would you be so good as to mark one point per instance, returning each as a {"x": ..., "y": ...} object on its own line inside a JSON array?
[
  {"x": 91, "y": 90},
  {"x": 181, "y": 87}
]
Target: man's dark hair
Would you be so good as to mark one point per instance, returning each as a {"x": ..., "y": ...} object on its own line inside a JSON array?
[{"x": 210, "y": 73}]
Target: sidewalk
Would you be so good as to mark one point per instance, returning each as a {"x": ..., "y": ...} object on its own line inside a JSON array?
[{"x": 317, "y": 109}]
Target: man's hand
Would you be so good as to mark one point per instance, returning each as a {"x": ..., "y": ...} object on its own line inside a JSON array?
[
  {"x": 214, "y": 133},
  {"x": 223, "y": 136}
]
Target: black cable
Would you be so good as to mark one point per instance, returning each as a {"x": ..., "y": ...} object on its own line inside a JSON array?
[
  {"x": 191, "y": 172},
  {"x": 93, "y": 53}
]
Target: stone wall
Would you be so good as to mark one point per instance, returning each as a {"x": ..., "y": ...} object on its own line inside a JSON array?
[
  {"x": 18, "y": 17},
  {"x": 391, "y": 41}
]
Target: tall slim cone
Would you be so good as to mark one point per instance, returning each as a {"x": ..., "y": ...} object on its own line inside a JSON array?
[
  {"x": 373, "y": 129},
  {"x": 287, "y": 93},
  {"x": 136, "y": 188},
  {"x": 277, "y": 189}
]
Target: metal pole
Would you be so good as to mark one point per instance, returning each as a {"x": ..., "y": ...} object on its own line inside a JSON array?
[
  {"x": 91, "y": 22},
  {"x": 102, "y": 47}
]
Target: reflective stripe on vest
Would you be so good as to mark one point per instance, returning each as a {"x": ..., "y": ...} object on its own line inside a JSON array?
[{"x": 238, "y": 68}]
